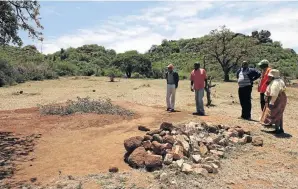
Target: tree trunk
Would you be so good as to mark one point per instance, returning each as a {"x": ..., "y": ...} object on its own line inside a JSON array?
[
  {"x": 227, "y": 76},
  {"x": 128, "y": 74},
  {"x": 208, "y": 92}
]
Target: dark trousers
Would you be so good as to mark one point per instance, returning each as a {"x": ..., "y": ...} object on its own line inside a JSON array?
[
  {"x": 245, "y": 101},
  {"x": 262, "y": 100}
]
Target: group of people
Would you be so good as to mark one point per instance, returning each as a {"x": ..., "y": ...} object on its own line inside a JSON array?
[{"x": 271, "y": 87}]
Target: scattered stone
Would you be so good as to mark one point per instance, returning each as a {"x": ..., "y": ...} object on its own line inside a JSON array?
[
  {"x": 153, "y": 132},
  {"x": 201, "y": 171},
  {"x": 234, "y": 140},
  {"x": 223, "y": 142},
  {"x": 94, "y": 91},
  {"x": 177, "y": 152},
  {"x": 174, "y": 132},
  {"x": 169, "y": 139},
  {"x": 163, "y": 176},
  {"x": 113, "y": 169},
  {"x": 180, "y": 162},
  {"x": 137, "y": 158},
  {"x": 143, "y": 128},
  {"x": 186, "y": 168},
  {"x": 168, "y": 159},
  {"x": 209, "y": 168},
  {"x": 247, "y": 132},
  {"x": 257, "y": 141},
  {"x": 217, "y": 153},
  {"x": 215, "y": 168},
  {"x": 157, "y": 148},
  {"x": 33, "y": 179},
  {"x": 148, "y": 137},
  {"x": 162, "y": 133},
  {"x": 167, "y": 126},
  {"x": 153, "y": 162},
  {"x": 70, "y": 177},
  {"x": 147, "y": 145},
  {"x": 158, "y": 138},
  {"x": 240, "y": 132},
  {"x": 203, "y": 149},
  {"x": 197, "y": 158},
  {"x": 248, "y": 138},
  {"x": 132, "y": 143},
  {"x": 181, "y": 139}
]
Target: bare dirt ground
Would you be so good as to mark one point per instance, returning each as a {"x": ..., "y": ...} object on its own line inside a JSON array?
[{"x": 86, "y": 145}]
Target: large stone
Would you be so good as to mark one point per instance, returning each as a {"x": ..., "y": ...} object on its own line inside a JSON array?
[
  {"x": 132, "y": 143},
  {"x": 197, "y": 158},
  {"x": 153, "y": 162},
  {"x": 147, "y": 145},
  {"x": 148, "y": 137},
  {"x": 190, "y": 128},
  {"x": 203, "y": 149},
  {"x": 137, "y": 158},
  {"x": 168, "y": 159},
  {"x": 177, "y": 152},
  {"x": 209, "y": 168},
  {"x": 113, "y": 169},
  {"x": 186, "y": 168},
  {"x": 162, "y": 133},
  {"x": 157, "y": 148},
  {"x": 181, "y": 139},
  {"x": 158, "y": 138},
  {"x": 257, "y": 141},
  {"x": 248, "y": 138},
  {"x": 153, "y": 132},
  {"x": 201, "y": 171},
  {"x": 167, "y": 126},
  {"x": 217, "y": 153},
  {"x": 143, "y": 128},
  {"x": 179, "y": 162},
  {"x": 234, "y": 140},
  {"x": 169, "y": 139},
  {"x": 240, "y": 132}
]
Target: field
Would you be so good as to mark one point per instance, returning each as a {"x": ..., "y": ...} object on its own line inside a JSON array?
[{"x": 86, "y": 145}]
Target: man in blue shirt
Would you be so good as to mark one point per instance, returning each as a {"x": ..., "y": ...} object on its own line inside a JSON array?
[{"x": 246, "y": 76}]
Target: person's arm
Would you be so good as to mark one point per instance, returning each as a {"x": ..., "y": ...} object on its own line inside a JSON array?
[
  {"x": 177, "y": 79},
  {"x": 237, "y": 74},
  {"x": 206, "y": 81},
  {"x": 191, "y": 82},
  {"x": 254, "y": 74}
]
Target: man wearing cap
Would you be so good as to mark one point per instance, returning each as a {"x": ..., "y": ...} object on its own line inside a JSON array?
[
  {"x": 246, "y": 76},
  {"x": 264, "y": 65},
  {"x": 198, "y": 81},
  {"x": 172, "y": 78},
  {"x": 276, "y": 104}
]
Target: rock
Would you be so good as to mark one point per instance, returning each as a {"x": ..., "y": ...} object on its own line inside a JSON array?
[
  {"x": 223, "y": 142},
  {"x": 216, "y": 138},
  {"x": 228, "y": 134},
  {"x": 153, "y": 162},
  {"x": 153, "y": 132},
  {"x": 246, "y": 131},
  {"x": 158, "y": 138},
  {"x": 169, "y": 139},
  {"x": 190, "y": 128},
  {"x": 148, "y": 137},
  {"x": 210, "y": 127},
  {"x": 186, "y": 168},
  {"x": 33, "y": 179},
  {"x": 248, "y": 138},
  {"x": 257, "y": 141},
  {"x": 209, "y": 168},
  {"x": 168, "y": 159},
  {"x": 132, "y": 143},
  {"x": 201, "y": 171},
  {"x": 215, "y": 168},
  {"x": 197, "y": 158},
  {"x": 167, "y": 126},
  {"x": 240, "y": 132},
  {"x": 203, "y": 149},
  {"x": 217, "y": 153},
  {"x": 181, "y": 139},
  {"x": 94, "y": 91},
  {"x": 157, "y": 148},
  {"x": 137, "y": 158},
  {"x": 174, "y": 132},
  {"x": 166, "y": 146},
  {"x": 234, "y": 140},
  {"x": 143, "y": 128},
  {"x": 113, "y": 169},
  {"x": 147, "y": 145},
  {"x": 180, "y": 162},
  {"x": 162, "y": 133},
  {"x": 163, "y": 176},
  {"x": 177, "y": 152}
]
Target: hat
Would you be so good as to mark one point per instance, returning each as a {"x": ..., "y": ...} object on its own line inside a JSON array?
[
  {"x": 170, "y": 66},
  {"x": 263, "y": 62},
  {"x": 274, "y": 73}
]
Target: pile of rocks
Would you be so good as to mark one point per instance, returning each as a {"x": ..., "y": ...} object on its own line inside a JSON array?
[
  {"x": 13, "y": 148},
  {"x": 193, "y": 147}
]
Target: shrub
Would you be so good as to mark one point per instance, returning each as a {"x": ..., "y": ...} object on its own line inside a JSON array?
[
  {"x": 138, "y": 76},
  {"x": 7, "y": 73},
  {"x": 66, "y": 69},
  {"x": 85, "y": 105}
]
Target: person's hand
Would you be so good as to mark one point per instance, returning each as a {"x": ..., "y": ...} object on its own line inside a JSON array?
[
  {"x": 191, "y": 89},
  {"x": 271, "y": 106}
]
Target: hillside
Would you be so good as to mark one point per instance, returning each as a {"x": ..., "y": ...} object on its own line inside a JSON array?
[{"x": 21, "y": 64}]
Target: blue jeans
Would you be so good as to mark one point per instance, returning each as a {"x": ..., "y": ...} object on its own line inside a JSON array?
[{"x": 199, "y": 95}]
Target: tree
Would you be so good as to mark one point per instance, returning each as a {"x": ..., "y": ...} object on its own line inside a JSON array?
[
  {"x": 16, "y": 15},
  {"x": 226, "y": 48}
]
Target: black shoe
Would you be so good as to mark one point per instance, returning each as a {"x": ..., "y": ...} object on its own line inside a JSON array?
[
  {"x": 172, "y": 110},
  {"x": 168, "y": 109},
  {"x": 195, "y": 113},
  {"x": 279, "y": 131}
]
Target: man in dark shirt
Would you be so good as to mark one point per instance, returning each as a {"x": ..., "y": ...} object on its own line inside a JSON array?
[
  {"x": 246, "y": 76},
  {"x": 172, "y": 84}
]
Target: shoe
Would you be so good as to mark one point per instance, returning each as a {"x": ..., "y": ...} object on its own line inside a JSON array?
[
  {"x": 279, "y": 131},
  {"x": 172, "y": 110},
  {"x": 195, "y": 113},
  {"x": 168, "y": 109}
]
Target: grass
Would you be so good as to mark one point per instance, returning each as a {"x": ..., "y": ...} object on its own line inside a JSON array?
[{"x": 85, "y": 105}]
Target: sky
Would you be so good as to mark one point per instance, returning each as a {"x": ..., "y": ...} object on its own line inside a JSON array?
[{"x": 137, "y": 25}]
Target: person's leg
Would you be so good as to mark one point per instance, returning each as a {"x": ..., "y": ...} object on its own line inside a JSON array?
[
  {"x": 262, "y": 100},
  {"x": 197, "y": 101},
  {"x": 168, "y": 97},
  {"x": 241, "y": 94},
  {"x": 201, "y": 101},
  {"x": 173, "y": 98},
  {"x": 248, "y": 113}
]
